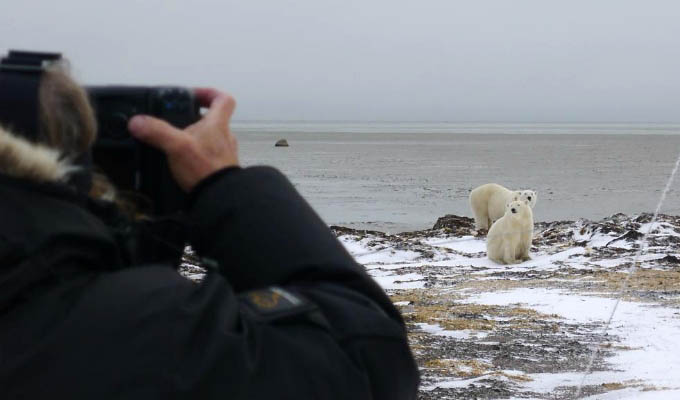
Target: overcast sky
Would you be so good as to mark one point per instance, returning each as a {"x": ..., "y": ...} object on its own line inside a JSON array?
[{"x": 384, "y": 60}]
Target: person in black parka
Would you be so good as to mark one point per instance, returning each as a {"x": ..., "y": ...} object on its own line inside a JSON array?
[{"x": 285, "y": 312}]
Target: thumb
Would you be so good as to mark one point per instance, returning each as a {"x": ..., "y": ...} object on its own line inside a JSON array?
[{"x": 154, "y": 132}]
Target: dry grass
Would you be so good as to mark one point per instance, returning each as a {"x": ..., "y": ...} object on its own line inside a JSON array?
[
  {"x": 432, "y": 307},
  {"x": 470, "y": 369},
  {"x": 614, "y": 386},
  {"x": 618, "y": 347},
  {"x": 460, "y": 368},
  {"x": 493, "y": 285},
  {"x": 425, "y": 296},
  {"x": 641, "y": 279},
  {"x": 635, "y": 383}
]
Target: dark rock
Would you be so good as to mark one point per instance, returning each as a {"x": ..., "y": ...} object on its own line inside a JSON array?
[
  {"x": 341, "y": 230},
  {"x": 454, "y": 222},
  {"x": 644, "y": 218},
  {"x": 551, "y": 233},
  {"x": 281, "y": 143},
  {"x": 630, "y": 236},
  {"x": 670, "y": 259}
]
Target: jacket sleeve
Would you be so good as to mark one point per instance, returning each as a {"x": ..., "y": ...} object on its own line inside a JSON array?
[{"x": 289, "y": 307}]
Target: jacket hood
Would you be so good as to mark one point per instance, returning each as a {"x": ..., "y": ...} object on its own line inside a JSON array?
[
  {"x": 22, "y": 159},
  {"x": 47, "y": 227}
]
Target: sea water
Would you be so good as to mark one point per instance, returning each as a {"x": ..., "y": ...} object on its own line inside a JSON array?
[{"x": 403, "y": 176}]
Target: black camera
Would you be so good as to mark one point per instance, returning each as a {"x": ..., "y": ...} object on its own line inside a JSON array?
[{"x": 131, "y": 165}]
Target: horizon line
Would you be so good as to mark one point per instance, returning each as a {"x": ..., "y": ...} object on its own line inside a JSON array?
[{"x": 457, "y": 122}]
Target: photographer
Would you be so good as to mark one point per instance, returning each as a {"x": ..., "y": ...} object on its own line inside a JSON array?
[{"x": 284, "y": 313}]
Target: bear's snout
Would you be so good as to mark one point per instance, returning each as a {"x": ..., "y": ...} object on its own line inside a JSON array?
[{"x": 514, "y": 211}]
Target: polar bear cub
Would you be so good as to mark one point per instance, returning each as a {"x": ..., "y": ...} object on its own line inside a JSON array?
[
  {"x": 509, "y": 238},
  {"x": 488, "y": 202}
]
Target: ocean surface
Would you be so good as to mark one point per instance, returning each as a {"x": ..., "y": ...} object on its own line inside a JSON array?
[{"x": 403, "y": 176}]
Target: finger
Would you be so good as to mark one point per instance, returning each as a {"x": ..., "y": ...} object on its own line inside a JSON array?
[
  {"x": 221, "y": 109},
  {"x": 221, "y": 104},
  {"x": 155, "y": 132},
  {"x": 205, "y": 96}
]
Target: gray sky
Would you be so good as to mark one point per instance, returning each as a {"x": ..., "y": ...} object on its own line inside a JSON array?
[{"x": 439, "y": 60}]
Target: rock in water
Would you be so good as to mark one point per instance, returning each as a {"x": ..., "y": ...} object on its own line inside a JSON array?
[{"x": 281, "y": 143}]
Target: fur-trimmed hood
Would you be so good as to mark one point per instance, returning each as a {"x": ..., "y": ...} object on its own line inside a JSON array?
[
  {"x": 51, "y": 229},
  {"x": 22, "y": 159},
  {"x": 47, "y": 225}
]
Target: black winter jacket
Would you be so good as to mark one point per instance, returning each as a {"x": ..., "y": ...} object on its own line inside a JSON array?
[{"x": 288, "y": 314}]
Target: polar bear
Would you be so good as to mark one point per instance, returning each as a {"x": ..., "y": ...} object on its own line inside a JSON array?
[
  {"x": 488, "y": 202},
  {"x": 509, "y": 238}
]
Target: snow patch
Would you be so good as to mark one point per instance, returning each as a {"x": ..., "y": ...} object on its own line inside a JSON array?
[{"x": 461, "y": 334}]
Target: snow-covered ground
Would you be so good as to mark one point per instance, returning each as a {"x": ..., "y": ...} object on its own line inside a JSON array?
[{"x": 483, "y": 330}]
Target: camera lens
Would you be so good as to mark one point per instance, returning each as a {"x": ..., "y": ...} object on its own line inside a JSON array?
[{"x": 116, "y": 125}]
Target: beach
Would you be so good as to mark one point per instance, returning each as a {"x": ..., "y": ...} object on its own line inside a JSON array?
[{"x": 480, "y": 330}]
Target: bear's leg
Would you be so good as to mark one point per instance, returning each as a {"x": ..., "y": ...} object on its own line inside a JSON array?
[
  {"x": 525, "y": 246},
  {"x": 525, "y": 254},
  {"x": 480, "y": 213},
  {"x": 481, "y": 221},
  {"x": 509, "y": 253}
]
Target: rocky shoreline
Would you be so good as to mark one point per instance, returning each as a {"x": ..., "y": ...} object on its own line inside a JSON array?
[
  {"x": 469, "y": 345},
  {"x": 485, "y": 331}
]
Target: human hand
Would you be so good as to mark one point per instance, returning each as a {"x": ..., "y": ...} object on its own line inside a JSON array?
[{"x": 198, "y": 150}]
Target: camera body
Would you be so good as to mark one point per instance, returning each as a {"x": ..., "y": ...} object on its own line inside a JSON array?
[{"x": 131, "y": 165}]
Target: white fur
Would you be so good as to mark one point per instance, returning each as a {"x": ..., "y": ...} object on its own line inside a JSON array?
[
  {"x": 20, "y": 158},
  {"x": 488, "y": 202},
  {"x": 509, "y": 238}
]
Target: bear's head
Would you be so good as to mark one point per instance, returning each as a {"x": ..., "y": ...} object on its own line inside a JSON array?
[
  {"x": 526, "y": 195},
  {"x": 518, "y": 209}
]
